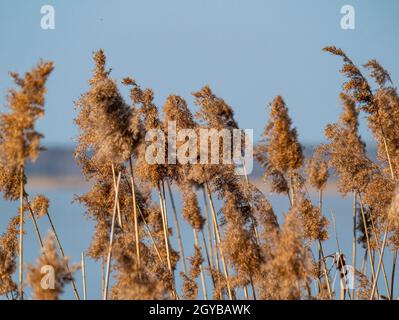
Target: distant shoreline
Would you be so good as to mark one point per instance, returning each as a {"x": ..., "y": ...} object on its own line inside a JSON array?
[
  {"x": 72, "y": 182},
  {"x": 77, "y": 182}
]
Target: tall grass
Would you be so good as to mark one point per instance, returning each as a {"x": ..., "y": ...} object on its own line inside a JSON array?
[{"x": 240, "y": 248}]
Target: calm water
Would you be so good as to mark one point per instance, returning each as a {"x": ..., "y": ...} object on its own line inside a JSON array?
[{"x": 75, "y": 232}]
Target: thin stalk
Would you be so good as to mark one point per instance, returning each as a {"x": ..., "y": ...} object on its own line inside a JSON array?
[
  {"x": 117, "y": 200},
  {"x": 136, "y": 224},
  {"x": 252, "y": 218},
  {"x": 379, "y": 263},
  {"x": 289, "y": 197},
  {"x": 319, "y": 250},
  {"x": 364, "y": 267},
  {"x": 388, "y": 156},
  {"x": 165, "y": 230},
  {"x": 111, "y": 240},
  {"x": 354, "y": 237},
  {"x": 323, "y": 259},
  {"x": 385, "y": 145},
  {"x": 378, "y": 248},
  {"x": 292, "y": 189},
  {"x": 246, "y": 293},
  {"x": 176, "y": 221},
  {"x": 21, "y": 234},
  {"x": 84, "y": 276},
  {"x": 252, "y": 287},
  {"x": 364, "y": 263},
  {"x": 213, "y": 245},
  {"x": 218, "y": 238},
  {"x": 75, "y": 290},
  {"x": 201, "y": 267},
  {"x": 150, "y": 235},
  {"x": 166, "y": 237},
  {"x": 393, "y": 274},
  {"x": 156, "y": 248},
  {"x": 393, "y": 178},
  {"x": 379, "y": 253},
  {"x": 207, "y": 258},
  {"x": 321, "y": 253},
  {"x": 102, "y": 274},
  {"x": 367, "y": 238},
  {"x": 341, "y": 262},
  {"x": 208, "y": 226},
  {"x": 217, "y": 263},
  {"x": 32, "y": 215}
]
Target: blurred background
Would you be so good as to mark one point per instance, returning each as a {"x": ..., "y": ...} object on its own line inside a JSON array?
[{"x": 247, "y": 51}]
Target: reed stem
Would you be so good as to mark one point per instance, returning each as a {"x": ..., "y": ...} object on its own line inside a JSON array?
[
  {"x": 207, "y": 258},
  {"x": 252, "y": 287},
  {"x": 151, "y": 237},
  {"x": 252, "y": 218},
  {"x": 135, "y": 218},
  {"x": 393, "y": 274},
  {"x": 111, "y": 240},
  {"x": 204, "y": 290},
  {"x": 327, "y": 279},
  {"x": 21, "y": 235},
  {"x": 378, "y": 248},
  {"x": 218, "y": 238},
  {"x": 246, "y": 293},
  {"x": 166, "y": 235},
  {"x": 165, "y": 230},
  {"x": 208, "y": 229},
  {"x": 321, "y": 253},
  {"x": 217, "y": 263},
  {"x": 177, "y": 226},
  {"x": 32, "y": 215},
  {"x": 117, "y": 199},
  {"x": 379, "y": 264},
  {"x": 367, "y": 238},
  {"x": 354, "y": 237},
  {"x": 75, "y": 290},
  {"x": 84, "y": 276}
]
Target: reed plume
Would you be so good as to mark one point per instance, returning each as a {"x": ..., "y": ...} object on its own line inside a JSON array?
[
  {"x": 8, "y": 254},
  {"x": 239, "y": 219},
  {"x": 380, "y": 185},
  {"x": 317, "y": 170},
  {"x": 279, "y": 151},
  {"x": 146, "y": 282},
  {"x": 382, "y": 121},
  {"x": 104, "y": 144},
  {"x": 289, "y": 267},
  {"x": 40, "y": 205},
  {"x": 353, "y": 167},
  {"x": 381, "y": 115},
  {"x": 393, "y": 219},
  {"x": 41, "y": 288},
  {"x": 248, "y": 252},
  {"x": 190, "y": 286},
  {"x": 19, "y": 141}
]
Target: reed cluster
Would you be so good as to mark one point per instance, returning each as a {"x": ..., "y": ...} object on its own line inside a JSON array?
[{"x": 240, "y": 248}]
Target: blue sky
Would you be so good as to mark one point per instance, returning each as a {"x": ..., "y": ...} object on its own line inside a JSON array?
[{"x": 247, "y": 51}]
